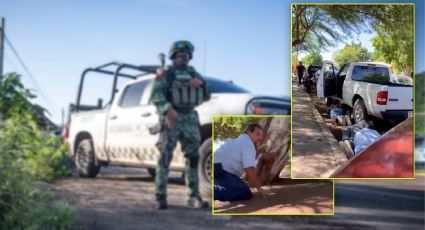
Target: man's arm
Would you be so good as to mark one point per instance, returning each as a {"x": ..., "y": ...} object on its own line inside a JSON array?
[
  {"x": 159, "y": 99},
  {"x": 203, "y": 83},
  {"x": 158, "y": 96},
  {"x": 207, "y": 93},
  {"x": 251, "y": 174}
]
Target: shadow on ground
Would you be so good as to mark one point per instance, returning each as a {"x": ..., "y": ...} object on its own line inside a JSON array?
[{"x": 287, "y": 198}]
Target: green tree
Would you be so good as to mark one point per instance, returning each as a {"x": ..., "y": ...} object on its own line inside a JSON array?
[
  {"x": 314, "y": 58},
  {"x": 316, "y": 27},
  {"x": 394, "y": 40},
  {"x": 294, "y": 61},
  {"x": 231, "y": 127},
  {"x": 351, "y": 53},
  {"x": 319, "y": 26},
  {"x": 27, "y": 157}
]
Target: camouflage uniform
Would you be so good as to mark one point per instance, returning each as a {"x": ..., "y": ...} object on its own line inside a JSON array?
[{"x": 186, "y": 128}]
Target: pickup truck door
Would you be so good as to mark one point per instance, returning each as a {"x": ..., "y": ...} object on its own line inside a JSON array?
[
  {"x": 320, "y": 86},
  {"x": 348, "y": 85},
  {"x": 328, "y": 79},
  {"x": 126, "y": 128}
]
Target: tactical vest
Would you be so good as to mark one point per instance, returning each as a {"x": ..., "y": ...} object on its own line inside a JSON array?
[{"x": 180, "y": 93}]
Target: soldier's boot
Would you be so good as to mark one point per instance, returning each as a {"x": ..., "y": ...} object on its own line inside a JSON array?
[
  {"x": 196, "y": 202},
  {"x": 162, "y": 204}
]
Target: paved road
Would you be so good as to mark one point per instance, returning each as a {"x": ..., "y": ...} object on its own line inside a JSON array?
[
  {"x": 122, "y": 199},
  {"x": 388, "y": 204}
]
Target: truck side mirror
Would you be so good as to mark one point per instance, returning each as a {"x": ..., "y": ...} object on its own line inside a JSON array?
[{"x": 99, "y": 103}]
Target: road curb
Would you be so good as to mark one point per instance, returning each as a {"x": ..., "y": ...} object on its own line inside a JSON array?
[{"x": 339, "y": 155}]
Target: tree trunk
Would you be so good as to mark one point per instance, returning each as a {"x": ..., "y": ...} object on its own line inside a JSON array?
[{"x": 274, "y": 148}]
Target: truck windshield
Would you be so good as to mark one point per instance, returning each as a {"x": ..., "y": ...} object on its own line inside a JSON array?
[{"x": 373, "y": 74}]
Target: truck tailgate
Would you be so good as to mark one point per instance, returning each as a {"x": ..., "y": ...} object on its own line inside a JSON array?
[{"x": 400, "y": 98}]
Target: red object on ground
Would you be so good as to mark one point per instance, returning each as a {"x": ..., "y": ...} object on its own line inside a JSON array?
[{"x": 391, "y": 156}]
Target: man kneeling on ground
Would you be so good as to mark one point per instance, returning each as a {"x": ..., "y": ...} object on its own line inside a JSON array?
[{"x": 231, "y": 160}]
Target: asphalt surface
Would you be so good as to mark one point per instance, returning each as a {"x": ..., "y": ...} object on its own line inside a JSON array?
[
  {"x": 122, "y": 198},
  {"x": 381, "y": 204}
]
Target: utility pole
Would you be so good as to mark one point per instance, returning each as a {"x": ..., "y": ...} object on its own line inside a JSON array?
[{"x": 2, "y": 26}]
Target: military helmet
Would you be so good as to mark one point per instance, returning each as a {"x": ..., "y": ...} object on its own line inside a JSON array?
[{"x": 181, "y": 46}]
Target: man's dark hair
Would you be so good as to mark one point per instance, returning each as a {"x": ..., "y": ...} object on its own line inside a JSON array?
[{"x": 251, "y": 127}]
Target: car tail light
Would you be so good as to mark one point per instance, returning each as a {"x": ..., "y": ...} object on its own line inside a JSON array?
[{"x": 382, "y": 97}]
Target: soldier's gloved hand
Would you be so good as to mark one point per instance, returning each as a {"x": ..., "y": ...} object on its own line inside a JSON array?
[
  {"x": 195, "y": 82},
  {"x": 171, "y": 117}
]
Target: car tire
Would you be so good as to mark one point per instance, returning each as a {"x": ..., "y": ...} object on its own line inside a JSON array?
[
  {"x": 152, "y": 172},
  {"x": 359, "y": 111},
  {"x": 85, "y": 159},
  {"x": 205, "y": 169}
]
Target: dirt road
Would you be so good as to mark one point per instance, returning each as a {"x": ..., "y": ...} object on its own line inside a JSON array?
[
  {"x": 287, "y": 197},
  {"x": 122, "y": 199}
]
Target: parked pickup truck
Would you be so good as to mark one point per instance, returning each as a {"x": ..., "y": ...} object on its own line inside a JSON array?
[
  {"x": 118, "y": 133},
  {"x": 368, "y": 89}
]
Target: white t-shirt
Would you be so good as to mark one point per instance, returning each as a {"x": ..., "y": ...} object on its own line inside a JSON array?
[{"x": 236, "y": 154}]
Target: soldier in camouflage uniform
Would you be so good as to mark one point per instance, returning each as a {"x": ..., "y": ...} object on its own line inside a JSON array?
[{"x": 176, "y": 92}]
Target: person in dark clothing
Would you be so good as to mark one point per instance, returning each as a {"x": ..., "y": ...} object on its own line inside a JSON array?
[{"x": 300, "y": 72}]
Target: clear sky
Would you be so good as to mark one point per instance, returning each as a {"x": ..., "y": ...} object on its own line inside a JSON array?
[
  {"x": 243, "y": 41},
  {"x": 246, "y": 41}
]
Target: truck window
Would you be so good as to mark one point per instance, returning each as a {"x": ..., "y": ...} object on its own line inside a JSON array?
[
  {"x": 373, "y": 74},
  {"x": 132, "y": 94}
]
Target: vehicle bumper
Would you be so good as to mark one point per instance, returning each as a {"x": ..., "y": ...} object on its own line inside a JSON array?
[{"x": 396, "y": 114}]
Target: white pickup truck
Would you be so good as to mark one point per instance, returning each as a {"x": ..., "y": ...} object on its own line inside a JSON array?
[
  {"x": 118, "y": 133},
  {"x": 367, "y": 88}
]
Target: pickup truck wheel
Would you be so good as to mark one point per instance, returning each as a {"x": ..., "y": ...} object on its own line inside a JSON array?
[
  {"x": 359, "y": 111},
  {"x": 85, "y": 159},
  {"x": 152, "y": 172},
  {"x": 205, "y": 169}
]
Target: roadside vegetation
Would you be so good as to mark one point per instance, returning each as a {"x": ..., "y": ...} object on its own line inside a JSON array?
[
  {"x": 29, "y": 159},
  {"x": 231, "y": 127}
]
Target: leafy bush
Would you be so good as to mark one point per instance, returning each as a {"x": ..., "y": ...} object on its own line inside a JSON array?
[
  {"x": 28, "y": 155},
  {"x": 231, "y": 127}
]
